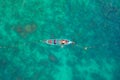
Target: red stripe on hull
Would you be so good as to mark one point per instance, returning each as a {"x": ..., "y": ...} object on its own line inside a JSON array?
[{"x": 50, "y": 41}]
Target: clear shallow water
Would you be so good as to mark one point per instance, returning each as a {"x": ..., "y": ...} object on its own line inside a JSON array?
[{"x": 94, "y": 25}]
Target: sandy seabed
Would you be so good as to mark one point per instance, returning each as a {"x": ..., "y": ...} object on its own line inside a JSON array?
[{"x": 94, "y": 26}]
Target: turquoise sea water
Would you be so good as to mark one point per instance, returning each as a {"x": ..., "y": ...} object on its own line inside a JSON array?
[{"x": 94, "y": 26}]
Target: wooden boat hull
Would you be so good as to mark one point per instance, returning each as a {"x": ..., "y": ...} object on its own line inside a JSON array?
[{"x": 58, "y": 41}]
